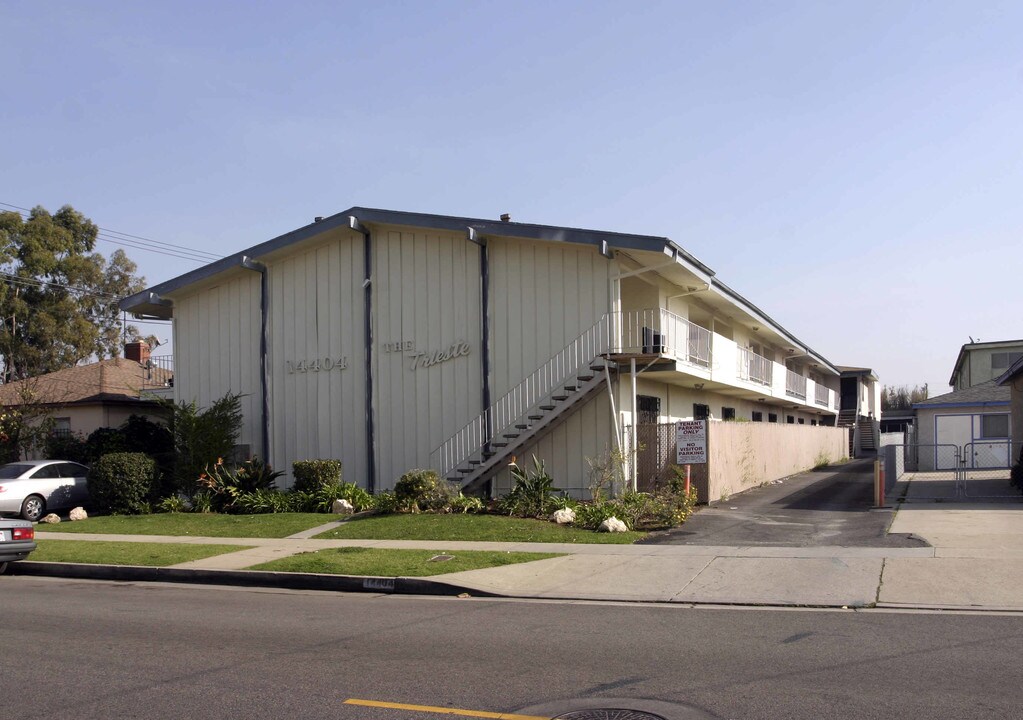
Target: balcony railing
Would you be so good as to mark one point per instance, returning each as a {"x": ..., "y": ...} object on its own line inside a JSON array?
[
  {"x": 821, "y": 394},
  {"x": 660, "y": 332},
  {"x": 795, "y": 384},
  {"x": 158, "y": 372},
  {"x": 755, "y": 368}
]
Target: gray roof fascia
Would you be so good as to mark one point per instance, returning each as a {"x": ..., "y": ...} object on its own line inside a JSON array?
[
  {"x": 232, "y": 261},
  {"x": 977, "y": 403},
  {"x": 550, "y": 233},
  {"x": 766, "y": 320}
]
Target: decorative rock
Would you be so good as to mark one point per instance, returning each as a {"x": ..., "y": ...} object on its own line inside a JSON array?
[
  {"x": 51, "y": 519},
  {"x": 342, "y": 507},
  {"x": 563, "y": 516},
  {"x": 79, "y": 514},
  {"x": 612, "y": 524}
]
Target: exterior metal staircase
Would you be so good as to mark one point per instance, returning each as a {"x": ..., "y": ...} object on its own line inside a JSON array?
[{"x": 536, "y": 405}]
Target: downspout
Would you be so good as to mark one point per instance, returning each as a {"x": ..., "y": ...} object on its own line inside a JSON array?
[
  {"x": 264, "y": 322},
  {"x": 367, "y": 305},
  {"x": 488, "y": 422}
]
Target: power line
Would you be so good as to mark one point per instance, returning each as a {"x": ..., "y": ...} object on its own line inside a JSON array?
[
  {"x": 141, "y": 243},
  {"x": 32, "y": 282}
]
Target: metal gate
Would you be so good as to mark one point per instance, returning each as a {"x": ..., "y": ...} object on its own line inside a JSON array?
[{"x": 946, "y": 472}]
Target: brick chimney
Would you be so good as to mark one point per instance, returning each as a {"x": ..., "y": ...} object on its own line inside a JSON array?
[{"x": 137, "y": 351}]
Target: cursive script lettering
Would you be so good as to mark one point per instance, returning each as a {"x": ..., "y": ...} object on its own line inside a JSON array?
[{"x": 422, "y": 359}]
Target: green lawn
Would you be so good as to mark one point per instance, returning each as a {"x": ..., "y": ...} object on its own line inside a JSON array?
[
  {"x": 125, "y": 553},
  {"x": 395, "y": 563},
  {"x": 195, "y": 525},
  {"x": 492, "y": 528}
]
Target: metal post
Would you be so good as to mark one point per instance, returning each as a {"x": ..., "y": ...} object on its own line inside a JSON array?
[{"x": 634, "y": 445}]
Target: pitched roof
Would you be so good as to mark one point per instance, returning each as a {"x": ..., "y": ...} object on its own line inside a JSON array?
[
  {"x": 969, "y": 347},
  {"x": 152, "y": 303},
  {"x": 115, "y": 380},
  {"x": 989, "y": 393}
]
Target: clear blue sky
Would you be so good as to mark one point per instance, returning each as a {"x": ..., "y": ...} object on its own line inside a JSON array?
[{"x": 852, "y": 168}]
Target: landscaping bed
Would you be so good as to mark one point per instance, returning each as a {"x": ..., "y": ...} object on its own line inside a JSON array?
[{"x": 482, "y": 528}]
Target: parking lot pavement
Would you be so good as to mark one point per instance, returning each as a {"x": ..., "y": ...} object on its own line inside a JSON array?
[{"x": 831, "y": 507}]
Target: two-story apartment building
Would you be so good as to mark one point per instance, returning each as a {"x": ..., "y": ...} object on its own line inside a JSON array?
[{"x": 395, "y": 340}]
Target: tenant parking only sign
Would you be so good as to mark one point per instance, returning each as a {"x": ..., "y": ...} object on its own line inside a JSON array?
[{"x": 691, "y": 440}]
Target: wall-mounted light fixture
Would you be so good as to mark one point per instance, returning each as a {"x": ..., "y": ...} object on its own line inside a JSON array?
[{"x": 698, "y": 386}]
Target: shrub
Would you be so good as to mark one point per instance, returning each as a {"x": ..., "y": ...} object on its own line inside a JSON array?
[
  {"x": 121, "y": 483},
  {"x": 202, "y": 436},
  {"x": 254, "y": 474},
  {"x": 202, "y": 502},
  {"x": 385, "y": 503},
  {"x": 591, "y": 515},
  {"x": 1016, "y": 476},
  {"x": 264, "y": 501},
  {"x": 533, "y": 493},
  {"x": 415, "y": 488},
  {"x": 172, "y": 504},
  {"x": 68, "y": 446},
  {"x": 311, "y": 475},
  {"x": 106, "y": 441},
  {"x": 322, "y": 499},
  {"x": 466, "y": 505}
]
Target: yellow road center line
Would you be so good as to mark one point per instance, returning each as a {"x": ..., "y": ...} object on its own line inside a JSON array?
[{"x": 443, "y": 710}]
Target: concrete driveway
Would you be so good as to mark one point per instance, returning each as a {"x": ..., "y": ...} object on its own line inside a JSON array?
[{"x": 828, "y": 507}]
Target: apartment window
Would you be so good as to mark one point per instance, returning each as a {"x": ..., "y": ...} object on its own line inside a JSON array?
[
  {"x": 772, "y": 417},
  {"x": 1002, "y": 360},
  {"x": 701, "y": 412},
  {"x": 813, "y": 422},
  {"x": 758, "y": 416},
  {"x": 790, "y": 420},
  {"x": 994, "y": 426},
  {"x": 801, "y": 421},
  {"x": 649, "y": 409},
  {"x": 727, "y": 413}
]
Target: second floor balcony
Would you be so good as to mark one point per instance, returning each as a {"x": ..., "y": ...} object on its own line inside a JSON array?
[{"x": 703, "y": 355}]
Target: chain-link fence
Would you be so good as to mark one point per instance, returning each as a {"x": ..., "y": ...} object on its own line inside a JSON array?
[
  {"x": 944, "y": 472},
  {"x": 655, "y": 458}
]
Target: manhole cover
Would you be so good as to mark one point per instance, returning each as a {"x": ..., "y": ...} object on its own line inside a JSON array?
[{"x": 608, "y": 714}]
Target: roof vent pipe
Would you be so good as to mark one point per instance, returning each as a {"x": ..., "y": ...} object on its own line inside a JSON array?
[
  {"x": 505, "y": 217},
  {"x": 317, "y": 218}
]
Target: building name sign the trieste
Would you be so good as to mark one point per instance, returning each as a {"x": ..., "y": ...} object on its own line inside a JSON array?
[{"x": 419, "y": 359}]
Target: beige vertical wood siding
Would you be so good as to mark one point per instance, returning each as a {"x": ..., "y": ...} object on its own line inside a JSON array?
[
  {"x": 543, "y": 296},
  {"x": 316, "y": 314},
  {"x": 216, "y": 348},
  {"x": 587, "y": 433},
  {"x": 426, "y": 290}
]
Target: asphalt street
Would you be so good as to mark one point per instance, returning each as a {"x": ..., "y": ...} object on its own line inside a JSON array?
[
  {"x": 832, "y": 506},
  {"x": 88, "y": 649}
]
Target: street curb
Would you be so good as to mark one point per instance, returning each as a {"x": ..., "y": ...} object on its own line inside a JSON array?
[{"x": 244, "y": 578}]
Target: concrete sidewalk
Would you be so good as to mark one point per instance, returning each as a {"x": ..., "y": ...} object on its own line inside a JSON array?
[{"x": 974, "y": 561}]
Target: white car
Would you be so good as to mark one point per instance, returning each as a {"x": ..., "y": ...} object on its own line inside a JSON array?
[
  {"x": 17, "y": 540},
  {"x": 31, "y": 488}
]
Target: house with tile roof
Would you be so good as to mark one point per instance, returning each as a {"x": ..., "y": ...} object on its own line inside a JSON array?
[{"x": 86, "y": 397}]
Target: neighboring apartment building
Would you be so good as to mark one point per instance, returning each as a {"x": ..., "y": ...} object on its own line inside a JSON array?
[
  {"x": 981, "y": 362},
  {"x": 395, "y": 340}
]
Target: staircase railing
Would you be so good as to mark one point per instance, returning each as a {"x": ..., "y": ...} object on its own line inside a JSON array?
[{"x": 524, "y": 397}]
